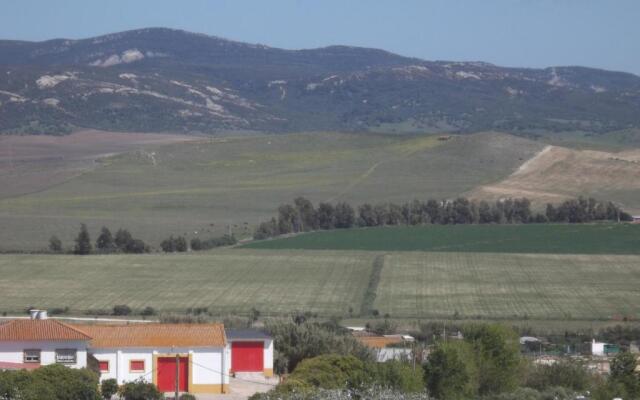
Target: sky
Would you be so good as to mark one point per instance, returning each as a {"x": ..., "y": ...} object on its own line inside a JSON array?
[{"x": 524, "y": 33}]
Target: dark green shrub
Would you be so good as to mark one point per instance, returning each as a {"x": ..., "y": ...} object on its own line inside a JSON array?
[
  {"x": 400, "y": 376},
  {"x": 121, "y": 309},
  {"x": 108, "y": 388},
  {"x": 140, "y": 390}
]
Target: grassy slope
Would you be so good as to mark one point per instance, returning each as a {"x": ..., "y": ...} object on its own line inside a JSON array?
[
  {"x": 534, "y": 238},
  {"x": 202, "y": 187},
  {"x": 410, "y": 284}
]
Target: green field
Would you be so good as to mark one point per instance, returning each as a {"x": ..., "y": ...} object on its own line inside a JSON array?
[
  {"x": 547, "y": 287},
  {"x": 227, "y": 282},
  {"x": 411, "y": 285},
  {"x": 533, "y": 238}
]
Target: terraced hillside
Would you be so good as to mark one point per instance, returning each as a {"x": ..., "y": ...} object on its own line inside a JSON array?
[{"x": 207, "y": 185}]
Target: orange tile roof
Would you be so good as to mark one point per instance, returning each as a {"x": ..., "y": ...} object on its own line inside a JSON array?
[
  {"x": 30, "y": 330},
  {"x": 155, "y": 335},
  {"x": 378, "y": 342}
]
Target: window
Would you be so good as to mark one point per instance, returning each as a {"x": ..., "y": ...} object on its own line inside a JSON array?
[
  {"x": 32, "y": 356},
  {"x": 104, "y": 366},
  {"x": 66, "y": 356},
  {"x": 136, "y": 366}
]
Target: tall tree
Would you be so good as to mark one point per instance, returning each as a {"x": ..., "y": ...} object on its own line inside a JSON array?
[
  {"x": 451, "y": 371},
  {"x": 326, "y": 216},
  {"x": 83, "y": 242},
  {"x": 105, "y": 243},
  {"x": 307, "y": 213},
  {"x": 345, "y": 216},
  {"x": 123, "y": 239},
  {"x": 498, "y": 357}
]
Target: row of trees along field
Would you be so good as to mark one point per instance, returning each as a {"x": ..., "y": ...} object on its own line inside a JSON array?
[
  {"x": 303, "y": 216},
  {"x": 124, "y": 242},
  {"x": 106, "y": 243}
]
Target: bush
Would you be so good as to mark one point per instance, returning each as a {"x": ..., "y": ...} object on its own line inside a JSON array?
[
  {"x": 399, "y": 376},
  {"x": 226, "y": 240},
  {"x": 55, "y": 244},
  {"x": 296, "y": 342},
  {"x": 108, "y": 388},
  {"x": 140, "y": 390},
  {"x": 148, "y": 311},
  {"x": 569, "y": 374},
  {"x": 121, "y": 309},
  {"x": 187, "y": 396},
  {"x": 174, "y": 244},
  {"x": 51, "y": 382},
  {"x": 331, "y": 372}
]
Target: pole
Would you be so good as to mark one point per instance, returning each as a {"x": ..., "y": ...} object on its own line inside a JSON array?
[{"x": 177, "y": 375}]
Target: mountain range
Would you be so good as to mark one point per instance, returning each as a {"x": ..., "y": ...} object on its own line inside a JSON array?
[{"x": 166, "y": 80}]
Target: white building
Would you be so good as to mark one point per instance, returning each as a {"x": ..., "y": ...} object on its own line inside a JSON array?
[
  {"x": 199, "y": 354},
  {"x": 29, "y": 342},
  {"x": 154, "y": 352}
]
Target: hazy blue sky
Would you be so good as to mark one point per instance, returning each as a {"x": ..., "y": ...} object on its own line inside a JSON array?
[{"x": 534, "y": 33}]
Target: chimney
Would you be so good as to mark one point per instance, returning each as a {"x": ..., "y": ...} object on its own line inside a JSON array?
[{"x": 38, "y": 314}]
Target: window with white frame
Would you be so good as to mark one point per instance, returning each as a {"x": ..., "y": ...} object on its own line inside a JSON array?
[
  {"x": 66, "y": 356},
  {"x": 32, "y": 356}
]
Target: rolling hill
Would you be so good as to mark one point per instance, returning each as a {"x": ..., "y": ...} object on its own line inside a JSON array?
[{"x": 162, "y": 80}]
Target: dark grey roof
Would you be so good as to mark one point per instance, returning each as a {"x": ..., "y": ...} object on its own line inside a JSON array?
[{"x": 239, "y": 334}]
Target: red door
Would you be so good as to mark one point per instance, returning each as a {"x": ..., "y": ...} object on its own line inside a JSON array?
[
  {"x": 167, "y": 374},
  {"x": 247, "y": 356}
]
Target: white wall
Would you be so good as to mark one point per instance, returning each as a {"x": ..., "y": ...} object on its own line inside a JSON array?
[
  {"x": 14, "y": 351},
  {"x": 268, "y": 354},
  {"x": 206, "y": 363},
  {"x": 597, "y": 348}
]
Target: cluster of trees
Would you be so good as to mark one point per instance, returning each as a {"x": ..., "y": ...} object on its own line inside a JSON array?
[
  {"x": 179, "y": 243},
  {"x": 302, "y": 216},
  {"x": 106, "y": 243},
  {"x": 485, "y": 363},
  {"x": 173, "y": 244},
  {"x": 299, "y": 339}
]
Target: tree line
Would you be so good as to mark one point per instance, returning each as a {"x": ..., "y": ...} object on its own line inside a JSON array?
[
  {"x": 124, "y": 242},
  {"x": 178, "y": 244},
  {"x": 106, "y": 243},
  {"x": 303, "y": 216}
]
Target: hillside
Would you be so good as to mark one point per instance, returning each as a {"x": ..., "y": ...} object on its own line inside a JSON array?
[
  {"x": 201, "y": 187},
  {"x": 164, "y": 80},
  {"x": 559, "y": 173}
]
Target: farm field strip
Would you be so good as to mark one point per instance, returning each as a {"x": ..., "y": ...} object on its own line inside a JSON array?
[
  {"x": 224, "y": 282},
  {"x": 605, "y": 238},
  {"x": 412, "y": 285},
  {"x": 540, "y": 286}
]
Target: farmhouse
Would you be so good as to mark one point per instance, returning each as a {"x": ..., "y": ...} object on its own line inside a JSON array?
[
  {"x": 636, "y": 219},
  {"x": 200, "y": 355}
]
